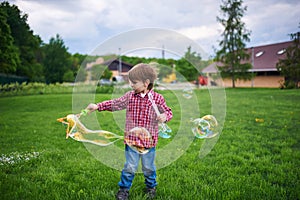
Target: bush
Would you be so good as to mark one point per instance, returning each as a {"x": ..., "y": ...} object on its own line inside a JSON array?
[
  {"x": 16, "y": 89},
  {"x": 107, "y": 89},
  {"x": 33, "y": 88}
]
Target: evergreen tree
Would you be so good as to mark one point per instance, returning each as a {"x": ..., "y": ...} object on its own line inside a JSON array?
[{"x": 232, "y": 51}]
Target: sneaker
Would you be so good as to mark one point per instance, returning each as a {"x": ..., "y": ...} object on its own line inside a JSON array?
[
  {"x": 122, "y": 194},
  {"x": 150, "y": 192}
]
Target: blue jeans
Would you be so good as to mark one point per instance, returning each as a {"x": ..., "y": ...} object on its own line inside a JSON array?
[{"x": 131, "y": 165}]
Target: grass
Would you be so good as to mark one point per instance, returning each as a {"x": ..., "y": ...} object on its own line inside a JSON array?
[{"x": 256, "y": 157}]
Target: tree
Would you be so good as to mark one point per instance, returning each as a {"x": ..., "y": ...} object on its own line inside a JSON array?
[
  {"x": 9, "y": 57},
  {"x": 100, "y": 71},
  {"x": 232, "y": 51},
  {"x": 68, "y": 76},
  {"x": 290, "y": 66},
  {"x": 25, "y": 42},
  {"x": 56, "y": 60},
  {"x": 189, "y": 65}
]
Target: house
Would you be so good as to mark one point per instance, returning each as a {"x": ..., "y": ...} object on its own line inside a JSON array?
[
  {"x": 263, "y": 59},
  {"x": 118, "y": 69}
]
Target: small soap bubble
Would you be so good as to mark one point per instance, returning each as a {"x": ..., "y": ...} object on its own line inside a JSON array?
[
  {"x": 163, "y": 131},
  {"x": 187, "y": 93},
  {"x": 205, "y": 127}
]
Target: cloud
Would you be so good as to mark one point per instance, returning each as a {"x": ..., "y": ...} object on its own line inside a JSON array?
[
  {"x": 85, "y": 24},
  {"x": 272, "y": 21},
  {"x": 200, "y": 32},
  {"x": 47, "y": 19}
]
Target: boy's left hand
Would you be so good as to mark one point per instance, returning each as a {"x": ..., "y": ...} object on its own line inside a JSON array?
[
  {"x": 92, "y": 107},
  {"x": 161, "y": 118}
]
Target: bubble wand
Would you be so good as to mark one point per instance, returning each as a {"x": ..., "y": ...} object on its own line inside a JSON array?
[
  {"x": 77, "y": 131},
  {"x": 164, "y": 129}
]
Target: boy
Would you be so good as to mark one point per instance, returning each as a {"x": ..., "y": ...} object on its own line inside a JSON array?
[{"x": 139, "y": 113}]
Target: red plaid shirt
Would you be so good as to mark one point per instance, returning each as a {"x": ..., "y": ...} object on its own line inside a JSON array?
[{"x": 139, "y": 113}]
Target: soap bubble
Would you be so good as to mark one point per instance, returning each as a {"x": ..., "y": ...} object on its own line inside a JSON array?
[
  {"x": 137, "y": 138},
  {"x": 205, "y": 127},
  {"x": 163, "y": 131},
  {"x": 187, "y": 93}
]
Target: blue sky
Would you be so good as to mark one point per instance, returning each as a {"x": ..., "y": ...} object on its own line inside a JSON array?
[{"x": 86, "y": 25}]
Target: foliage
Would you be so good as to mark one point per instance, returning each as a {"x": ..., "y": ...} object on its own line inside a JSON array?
[
  {"x": 134, "y": 60},
  {"x": 25, "y": 42},
  {"x": 23, "y": 54},
  {"x": 68, "y": 76},
  {"x": 194, "y": 59},
  {"x": 102, "y": 70},
  {"x": 232, "y": 51},
  {"x": 251, "y": 160},
  {"x": 190, "y": 65},
  {"x": 34, "y": 88},
  {"x": 56, "y": 60},
  {"x": 290, "y": 66},
  {"x": 162, "y": 70},
  {"x": 105, "y": 89},
  {"x": 9, "y": 56}
]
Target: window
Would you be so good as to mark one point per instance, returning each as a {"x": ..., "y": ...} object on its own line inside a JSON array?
[
  {"x": 260, "y": 53},
  {"x": 282, "y": 51}
]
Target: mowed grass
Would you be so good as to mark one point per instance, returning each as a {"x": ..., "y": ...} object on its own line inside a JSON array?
[{"x": 257, "y": 155}]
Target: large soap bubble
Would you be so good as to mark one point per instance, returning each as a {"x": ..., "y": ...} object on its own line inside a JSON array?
[
  {"x": 205, "y": 127},
  {"x": 137, "y": 137}
]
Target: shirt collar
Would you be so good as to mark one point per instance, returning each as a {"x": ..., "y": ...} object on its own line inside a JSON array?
[{"x": 146, "y": 95}]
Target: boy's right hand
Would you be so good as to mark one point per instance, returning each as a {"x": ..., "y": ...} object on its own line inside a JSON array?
[{"x": 92, "y": 107}]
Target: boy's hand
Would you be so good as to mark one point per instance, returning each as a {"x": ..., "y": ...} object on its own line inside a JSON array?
[
  {"x": 161, "y": 118},
  {"x": 92, "y": 107}
]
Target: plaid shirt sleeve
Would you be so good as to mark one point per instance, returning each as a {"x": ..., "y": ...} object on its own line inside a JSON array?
[{"x": 115, "y": 104}]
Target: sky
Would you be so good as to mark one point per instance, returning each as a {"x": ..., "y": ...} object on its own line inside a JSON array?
[{"x": 147, "y": 28}]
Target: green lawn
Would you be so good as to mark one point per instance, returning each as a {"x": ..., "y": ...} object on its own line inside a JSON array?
[{"x": 257, "y": 155}]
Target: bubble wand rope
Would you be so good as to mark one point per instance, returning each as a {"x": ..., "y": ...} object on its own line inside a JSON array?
[
  {"x": 130, "y": 143},
  {"x": 77, "y": 131},
  {"x": 164, "y": 129}
]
